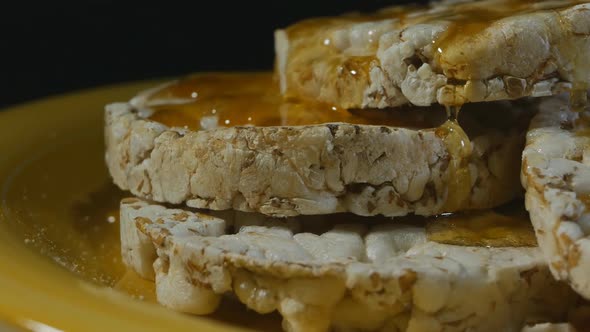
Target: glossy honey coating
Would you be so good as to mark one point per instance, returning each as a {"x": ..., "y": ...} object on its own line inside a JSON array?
[
  {"x": 448, "y": 52},
  {"x": 206, "y": 101},
  {"x": 211, "y": 100}
]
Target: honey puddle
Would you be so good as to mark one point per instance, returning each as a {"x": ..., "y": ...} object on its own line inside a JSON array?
[{"x": 62, "y": 205}]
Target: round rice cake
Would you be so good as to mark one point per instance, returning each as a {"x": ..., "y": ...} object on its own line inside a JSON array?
[{"x": 345, "y": 276}]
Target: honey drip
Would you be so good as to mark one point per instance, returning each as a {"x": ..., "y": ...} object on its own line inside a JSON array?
[
  {"x": 459, "y": 148},
  {"x": 452, "y": 112}
]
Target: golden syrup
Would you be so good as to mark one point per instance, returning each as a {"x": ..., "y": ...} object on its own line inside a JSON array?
[
  {"x": 460, "y": 127},
  {"x": 312, "y": 42},
  {"x": 62, "y": 205},
  {"x": 470, "y": 19},
  {"x": 468, "y": 23},
  {"x": 459, "y": 148},
  {"x": 488, "y": 228},
  {"x": 452, "y": 112},
  {"x": 228, "y": 100},
  {"x": 206, "y": 101},
  {"x": 135, "y": 286}
]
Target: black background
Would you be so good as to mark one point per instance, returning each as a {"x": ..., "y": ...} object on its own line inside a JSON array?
[{"x": 53, "y": 47}]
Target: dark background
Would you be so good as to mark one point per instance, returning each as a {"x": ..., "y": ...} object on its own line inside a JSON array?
[{"x": 52, "y": 47}]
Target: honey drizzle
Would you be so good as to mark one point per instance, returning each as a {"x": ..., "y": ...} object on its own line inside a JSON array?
[
  {"x": 470, "y": 20},
  {"x": 247, "y": 99},
  {"x": 466, "y": 22},
  {"x": 253, "y": 100},
  {"x": 452, "y": 112},
  {"x": 459, "y": 148}
]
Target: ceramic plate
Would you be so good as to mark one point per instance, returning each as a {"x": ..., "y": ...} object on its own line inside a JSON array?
[{"x": 60, "y": 266}]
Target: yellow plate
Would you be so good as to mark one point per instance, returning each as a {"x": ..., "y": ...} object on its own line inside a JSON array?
[{"x": 60, "y": 265}]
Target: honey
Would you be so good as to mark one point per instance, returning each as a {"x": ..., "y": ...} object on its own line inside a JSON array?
[
  {"x": 459, "y": 147},
  {"x": 207, "y": 101},
  {"x": 58, "y": 234},
  {"x": 61, "y": 205},
  {"x": 229, "y": 100},
  {"x": 319, "y": 49},
  {"x": 471, "y": 19},
  {"x": 452, "y": 112},
  {"x": 509, "y": 226}
]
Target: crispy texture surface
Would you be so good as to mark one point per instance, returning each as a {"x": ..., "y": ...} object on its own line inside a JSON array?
[
  {"x": 346, "y": 277},
  {"x": 451, "y": 52},
  {"x": 315, "y": 169},
  {"x": 556, "y": 175}
]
